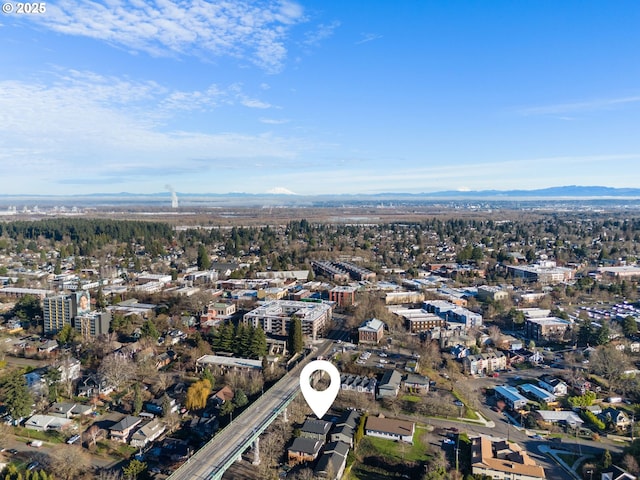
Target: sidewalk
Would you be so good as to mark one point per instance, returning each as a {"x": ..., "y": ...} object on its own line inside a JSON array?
[{"x": 545, "y": 450}]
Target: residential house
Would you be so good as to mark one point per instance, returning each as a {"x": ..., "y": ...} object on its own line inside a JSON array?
[
  {"x": 553, "y": 385},
  {"x": 502, "y": 460},
  {"x": 94, "y": 385},
  {"x": 120, "y": 431},
  {"x": 560, "y": 416},
  {"x": 615, "y": 417},
  {"x": 416, "y": 383},
  {"x": 43, "y": 423},
  {"x": 390, "y": 428},
  {"x": 616, "y": 473},
  {"x": 333, "y": 461},
  {"x": 389, "y": 385},
  {"x": 304, "y": 449},
  {"x": 356, "y": 383},
  {"x": 371, "y": 331},
  {"x": 342, "y": 433},
  {"x": 315, "y": 429},
  {"x": 147, "y": 433}
]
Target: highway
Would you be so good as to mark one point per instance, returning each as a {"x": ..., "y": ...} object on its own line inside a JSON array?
[{"x": 211, "y": 461}]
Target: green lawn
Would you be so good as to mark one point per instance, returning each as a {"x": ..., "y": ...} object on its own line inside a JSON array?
[{"x": 398, "y": 451}]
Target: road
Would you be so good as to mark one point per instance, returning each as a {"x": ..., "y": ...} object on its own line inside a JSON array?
[{"x": 214, "y": 458}]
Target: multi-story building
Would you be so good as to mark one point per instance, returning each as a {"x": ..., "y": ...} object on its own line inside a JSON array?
[
  {"x": 93, "y": 324},
  {"x": 419, "y": 320},
  {"x": 60, "y": 310},
  {"x": 344, "y": 296},
  {"x": 484, "y": 363},
  {"x": 489, "y": 293},
  {"x": 371, "y": 331},
  {"x": 544, "y": 272},
  {"x": 547, "y": 329},
  {"x": 327, "y": 269},
  {"x": 275, "y": 317},
  {"x": 453, "y": 314}
]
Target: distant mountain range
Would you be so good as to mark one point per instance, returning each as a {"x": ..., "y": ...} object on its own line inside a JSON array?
[{"x": 284, "y": 197}]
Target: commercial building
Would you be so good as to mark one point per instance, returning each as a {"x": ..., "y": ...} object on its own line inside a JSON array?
[
  {"x": 494, "y": 294},
  {"x": 544, "y": 272},
  {"x": 453, "y": 313},
  {"x": 419, "y": 320}
]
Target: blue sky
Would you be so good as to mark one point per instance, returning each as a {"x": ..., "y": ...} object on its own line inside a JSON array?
[{"x": 318, "y": 97}]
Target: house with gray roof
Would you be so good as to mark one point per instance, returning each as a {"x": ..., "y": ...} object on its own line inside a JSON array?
[{"x": 389, "y": 386}]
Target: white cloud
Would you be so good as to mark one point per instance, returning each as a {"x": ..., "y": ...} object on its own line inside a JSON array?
[
  {"x": 321, "y": 33},
  {"x": 240, "y": 28},
  {"x": 274, "y": 121},
  {"x": 82, "y": 127},
  {"x": 589, "y": 105},
  {"x": 368, "y": 37}
]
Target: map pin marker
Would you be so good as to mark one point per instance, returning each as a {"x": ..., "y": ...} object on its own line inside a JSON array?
[{"x": 320, "y": 401}]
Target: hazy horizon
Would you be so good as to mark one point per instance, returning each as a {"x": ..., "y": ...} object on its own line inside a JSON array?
[{"x": 318, "y": 98}]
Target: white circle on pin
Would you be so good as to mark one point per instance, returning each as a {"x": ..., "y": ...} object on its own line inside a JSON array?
[{"x": 320, "y": 401}]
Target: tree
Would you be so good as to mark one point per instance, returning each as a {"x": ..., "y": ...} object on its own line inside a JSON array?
[
  {"x": 27, "y": 308},
  {"x": 101, "y": 301},
  {"x": 166, "y": 405},
  {"x": 16, "y": 395},
  {"x": 69, "y": 463},
  {"x": 66, "y": 334},
  {"x": 294, "y": 342},
  {"x": 207, "y": 375},
  {"x": 204, "y": 262},
  {"x": 609, "y": 363},
  {"x": 240, "y": 398},
  {"x": 137, "y": 399},
  {"x": 197, "y": 395},
  {"x": 606, "y": 459},
  {"x": 149, "y": 330},
  {"x": 52, "y": 379},
  {"x": 629, "y": 326},
  {"x": 135, "y": 468},
  {"x": 117, "y": 370},
  {"x": 258, "y": 343},
  {"x": 93, "y": 431}
]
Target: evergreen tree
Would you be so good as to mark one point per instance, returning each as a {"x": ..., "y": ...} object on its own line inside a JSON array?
[
  {"x": 137, "y": 399},
  {"x": 16, "y": 395},
  {"x": 295, "y": 343},
  {"x": 66, "y": 334},
  {"x": 629, "y": 326},
  {"x": 204, "y": 262},
  {"x": 258, "y": 343},
  {"x": 226, "y": 339},
  {"x": 207, "y": 375},
  {"x": 240, "y": 398},
  {"x": 57, "y": 270},
  {"x": 166, "y": 405},
  {"x": 101, "y": 301},
  {"x": 242, "y": 339},
  {"x": 149, "y": 330},
  {"x": 606, "y": 459},
  {"x": 52, "y": 378}
]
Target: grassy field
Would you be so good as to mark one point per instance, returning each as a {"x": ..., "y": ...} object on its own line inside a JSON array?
[{"x": 381, "y": 458}]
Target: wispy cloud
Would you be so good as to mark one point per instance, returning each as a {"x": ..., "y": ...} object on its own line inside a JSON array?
[
  {"x": 368, "y": 37},
  {"x": 589, "y": 105},
  {"x": 321, "y": 33},
  {"x": 115, "y": 129},
  {"x": 253, "y": 31},
  {"x": 274, "y": 121}
]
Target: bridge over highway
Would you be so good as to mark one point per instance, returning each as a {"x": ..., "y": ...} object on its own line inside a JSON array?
[{"x": 227, "y": 446}]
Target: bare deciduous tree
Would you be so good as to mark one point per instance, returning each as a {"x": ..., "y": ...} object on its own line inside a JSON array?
[
  {"x": 117, "y": 370},
  {"x": 69, "y": 463}
]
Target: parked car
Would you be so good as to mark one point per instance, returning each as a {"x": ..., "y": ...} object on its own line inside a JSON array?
[{"x": 35, "y": 443}]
